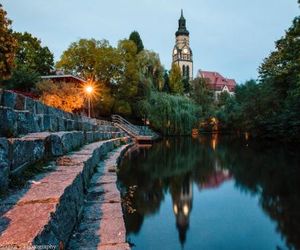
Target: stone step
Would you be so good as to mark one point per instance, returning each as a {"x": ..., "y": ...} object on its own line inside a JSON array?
[
  {"x": 46, "y": 212},
  {"x": 102, "y": 224},
  {"x": 17, "y": 154}
]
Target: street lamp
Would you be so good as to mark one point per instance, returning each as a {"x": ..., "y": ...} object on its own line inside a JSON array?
[{"x": 89, "y": 90}]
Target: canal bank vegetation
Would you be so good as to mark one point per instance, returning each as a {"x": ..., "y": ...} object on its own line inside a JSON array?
[{"x": 270, "y": 106}]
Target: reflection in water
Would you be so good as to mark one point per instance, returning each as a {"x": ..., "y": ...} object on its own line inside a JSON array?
[
  {"x": 182, "y": 198},
  {"x": 214, "y": 141},
  {"x": 171, "y": 168}
]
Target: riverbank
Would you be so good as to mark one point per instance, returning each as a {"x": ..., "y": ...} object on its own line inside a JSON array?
[{"x": 102, "y": 223}]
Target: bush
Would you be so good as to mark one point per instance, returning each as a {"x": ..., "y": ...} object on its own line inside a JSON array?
[{"x": 65, "y": 96}]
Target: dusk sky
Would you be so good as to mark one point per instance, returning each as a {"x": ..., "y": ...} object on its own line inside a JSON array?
[{"x": 228, "y": 36}]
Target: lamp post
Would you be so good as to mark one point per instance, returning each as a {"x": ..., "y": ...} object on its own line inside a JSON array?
[{"x": 89, "y": 90}]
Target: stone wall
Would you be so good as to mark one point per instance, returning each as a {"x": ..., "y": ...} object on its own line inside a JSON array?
[
  {"x": 20, "y": 115},
  {"x": 31, "y": 131}
]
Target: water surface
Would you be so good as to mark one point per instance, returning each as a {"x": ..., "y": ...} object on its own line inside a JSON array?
[{"x": 211, "y": 193}]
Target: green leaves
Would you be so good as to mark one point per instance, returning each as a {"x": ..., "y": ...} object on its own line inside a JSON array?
[
  {"x": 172, "y": 115},
  {"x": 135, "y": 37},
  {"x": 31, "y": 53},
  {"x": 175, "y": 77},
  {"x": 8, "y": 45}
]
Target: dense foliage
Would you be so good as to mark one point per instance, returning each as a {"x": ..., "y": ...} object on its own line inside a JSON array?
[
  {"x": 175, "y": 80},
  {"x": 135, "y": 37},
  {"x": 271, "y": 106},
  {"x": 65, "y": 96},
  {"x": 22, "y": 57},
  {"x": 31, "y": 53},
  {"x": 8, "y": 45},
  {"x": 130, "y": 83},
  {"x": 170, "y": 114}
]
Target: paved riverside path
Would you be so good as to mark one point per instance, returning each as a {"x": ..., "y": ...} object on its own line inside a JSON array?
[{"x": 102, "y": 224}]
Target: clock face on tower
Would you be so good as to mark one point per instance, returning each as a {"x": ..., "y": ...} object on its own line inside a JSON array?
[
  {"x": 175, "y": 51},
  {"x": 185, "y": 51}
]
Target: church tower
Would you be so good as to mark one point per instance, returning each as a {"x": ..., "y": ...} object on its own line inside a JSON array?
[{"x": 182, "y": 53}]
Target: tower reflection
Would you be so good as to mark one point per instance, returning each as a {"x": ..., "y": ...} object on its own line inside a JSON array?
[{"x": 182, "y": 198}]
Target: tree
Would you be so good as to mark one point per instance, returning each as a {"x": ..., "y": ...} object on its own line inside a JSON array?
[
  {"x": 202, "y": 95},
  {"x": 135, "y": 37},
  {"x": 166, "y": 87},
  {"x": 65, "y": 96},
  {"x": 223, "y": 98},
  {"x": 81, "y": 58},
  {"x": 175, "y": 78},
  {"x": 8, "y": 45},
  {"x": 127, "y": 86},
  {"x": 104, "y": 100},
  {"x": 150, "y": 68},
  {"x": 32, "y": 54},
  {"x": 22, "y": 78},
  {"x": 172, "y": 115}
]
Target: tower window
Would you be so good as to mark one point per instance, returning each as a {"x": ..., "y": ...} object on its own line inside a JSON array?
[{"x": 187, "y": 71}]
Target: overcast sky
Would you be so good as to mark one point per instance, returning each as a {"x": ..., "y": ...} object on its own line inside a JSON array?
[{"x": 228, "y": 36}]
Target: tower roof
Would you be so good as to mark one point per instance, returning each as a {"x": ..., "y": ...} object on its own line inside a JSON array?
[{"x": 182, "y": 31}]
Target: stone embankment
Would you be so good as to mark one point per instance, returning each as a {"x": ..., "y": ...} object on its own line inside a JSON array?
[
  {"x": 74, "y": 188},
  {"x": 31, "y": 132},
  {"x": 102, "y": 224}
]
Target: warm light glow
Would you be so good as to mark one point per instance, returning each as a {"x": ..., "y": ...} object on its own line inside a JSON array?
[
  {"x": 246, "y": 136},
  {"x": 89, "y": 89},
  {"x": 185, "y": 209},
  {"x": 214, "y": 141},
  {"x": 175, "y": 209}
]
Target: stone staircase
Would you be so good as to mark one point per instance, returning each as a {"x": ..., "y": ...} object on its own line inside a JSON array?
[{"x": 60, "y": 152}]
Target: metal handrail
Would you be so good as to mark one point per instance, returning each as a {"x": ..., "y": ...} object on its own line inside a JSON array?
[
  {"x": 126, "y": 125},
  {"x": 138, "y": 132}
]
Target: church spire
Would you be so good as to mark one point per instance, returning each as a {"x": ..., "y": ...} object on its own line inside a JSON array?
[{"x": 182, "y": 26}]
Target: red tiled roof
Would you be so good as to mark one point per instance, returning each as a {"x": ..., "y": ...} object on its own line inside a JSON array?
[{"x": 216, "y": 81}]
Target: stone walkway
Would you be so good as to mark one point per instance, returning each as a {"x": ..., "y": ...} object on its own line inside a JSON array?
[{"x": 102, "y": 224}]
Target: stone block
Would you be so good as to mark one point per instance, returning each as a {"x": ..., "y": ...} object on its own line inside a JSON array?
[
  {"x": 53, "y": 145},
  {"x": 89, "y": 136},
  {"x": 8, "y": 122},
  {"x": 30, "y": 105},
  {"x": 77, "y": 139},
  {"x": 4, "y": 164},
  {"x": 20, "y": 102},
  {"x": 40, "y": 108},
  {"x": 9, "y": 99},
  {"x": 69, "y": 124},
  {"x": 86, "y": 126},
  {"x": 50, "y": 123},
  {"x": 26, "y": 122},
  {"x": 71, "y": 141},
  {"x": 40, "y": 122},
  {"x": 24, "y": 152},
  {"x": 61, "y": 124}
]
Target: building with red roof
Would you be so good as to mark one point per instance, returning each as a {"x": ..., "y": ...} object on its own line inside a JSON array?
[{"x": 218, "y": 83}]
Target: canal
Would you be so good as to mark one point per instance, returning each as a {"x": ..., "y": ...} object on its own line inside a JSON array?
[{"x": 211, "y": 192}]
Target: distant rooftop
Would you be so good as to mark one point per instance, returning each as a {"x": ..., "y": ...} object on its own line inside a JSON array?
[
  {"x": 67, "y": 78},
  {"x": 217, "y": 81}
]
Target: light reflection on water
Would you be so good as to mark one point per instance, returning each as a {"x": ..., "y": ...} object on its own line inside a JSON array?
[{"x": 211, "y": 192}]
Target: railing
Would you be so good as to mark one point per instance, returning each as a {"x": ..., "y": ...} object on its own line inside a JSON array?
[
  {"x": 140, "y": 133},
  {"x": 126, "y": 125}
]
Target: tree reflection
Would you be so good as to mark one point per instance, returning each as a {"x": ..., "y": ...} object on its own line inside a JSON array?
[{"x": 173, "y": 165}]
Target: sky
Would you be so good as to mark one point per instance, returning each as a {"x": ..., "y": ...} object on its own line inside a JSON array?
[{"x": 231, "y": 37}]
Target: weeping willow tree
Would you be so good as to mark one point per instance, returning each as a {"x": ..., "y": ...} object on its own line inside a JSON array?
[{"x": 172, "y": 114}]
